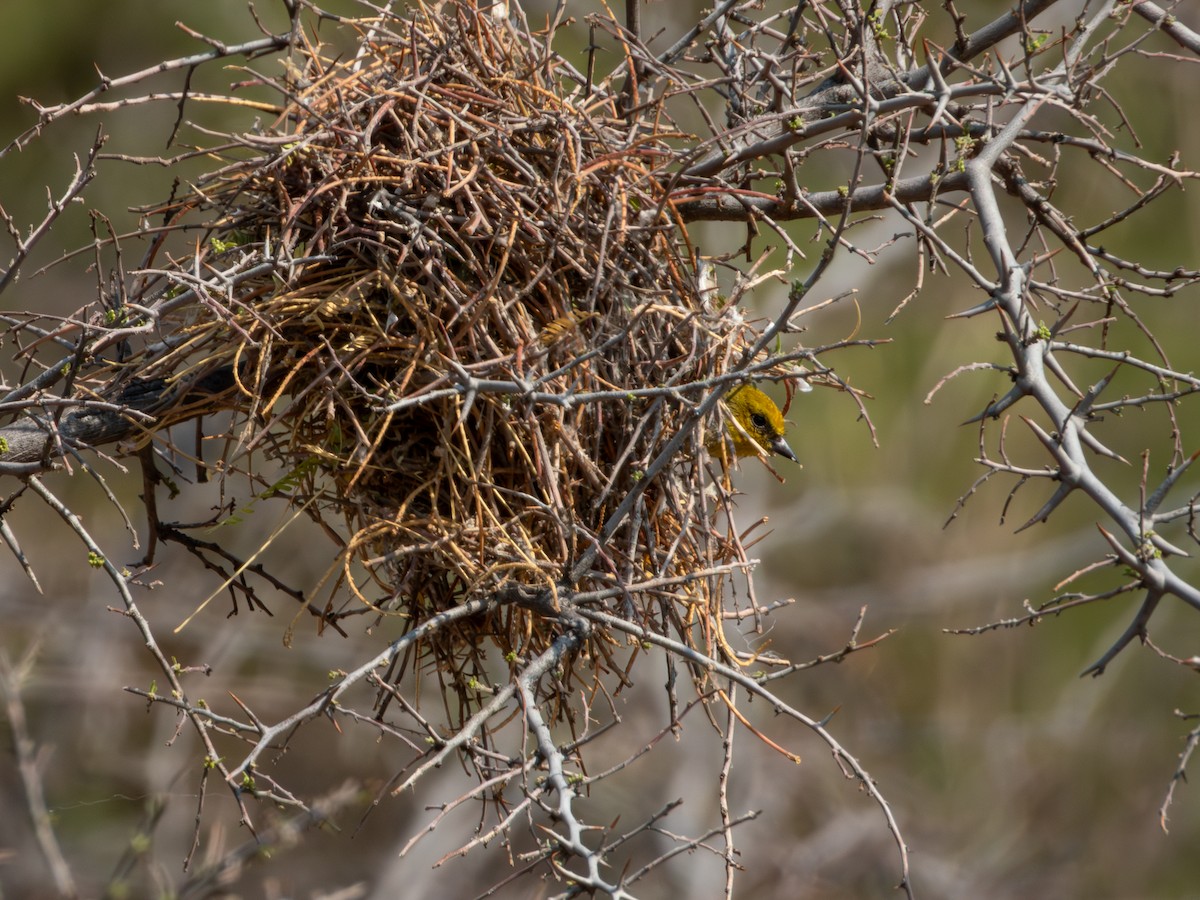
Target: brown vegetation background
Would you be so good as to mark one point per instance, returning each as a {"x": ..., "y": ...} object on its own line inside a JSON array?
[{"x": 1011, "y": 776}]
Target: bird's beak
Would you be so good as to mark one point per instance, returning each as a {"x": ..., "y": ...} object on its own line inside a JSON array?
[{"x": 780, "y": 446}]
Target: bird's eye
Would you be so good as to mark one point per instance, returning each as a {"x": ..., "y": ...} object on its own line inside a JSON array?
[{"x": 759, "y": 421}]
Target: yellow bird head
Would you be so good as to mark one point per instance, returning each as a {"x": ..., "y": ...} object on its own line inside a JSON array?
[{"x": 757, "y": 427}]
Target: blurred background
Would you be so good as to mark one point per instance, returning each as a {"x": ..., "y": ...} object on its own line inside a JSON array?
[{"x": 1009, "y": 774}]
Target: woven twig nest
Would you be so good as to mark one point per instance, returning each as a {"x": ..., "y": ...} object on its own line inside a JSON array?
[{"x": 458, "y": 311}]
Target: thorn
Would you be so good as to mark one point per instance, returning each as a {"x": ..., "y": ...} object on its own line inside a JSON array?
[
  {"x": 829, "y": 718},
  {"x": 986, "y": 306},
  {"x": 1050, "y": 505},
  {"x": 993, "y": 410}
]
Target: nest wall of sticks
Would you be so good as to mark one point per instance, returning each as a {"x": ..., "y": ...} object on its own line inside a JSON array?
[
  {"x": 458, "y": 311},
  {"x": 446, "y": 293}
]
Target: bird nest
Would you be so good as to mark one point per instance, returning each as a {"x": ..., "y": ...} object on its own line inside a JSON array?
[{"x": 454, "y": 305}]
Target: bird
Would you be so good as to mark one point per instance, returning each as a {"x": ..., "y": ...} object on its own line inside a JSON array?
[{"x": 755, "y": 427}]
